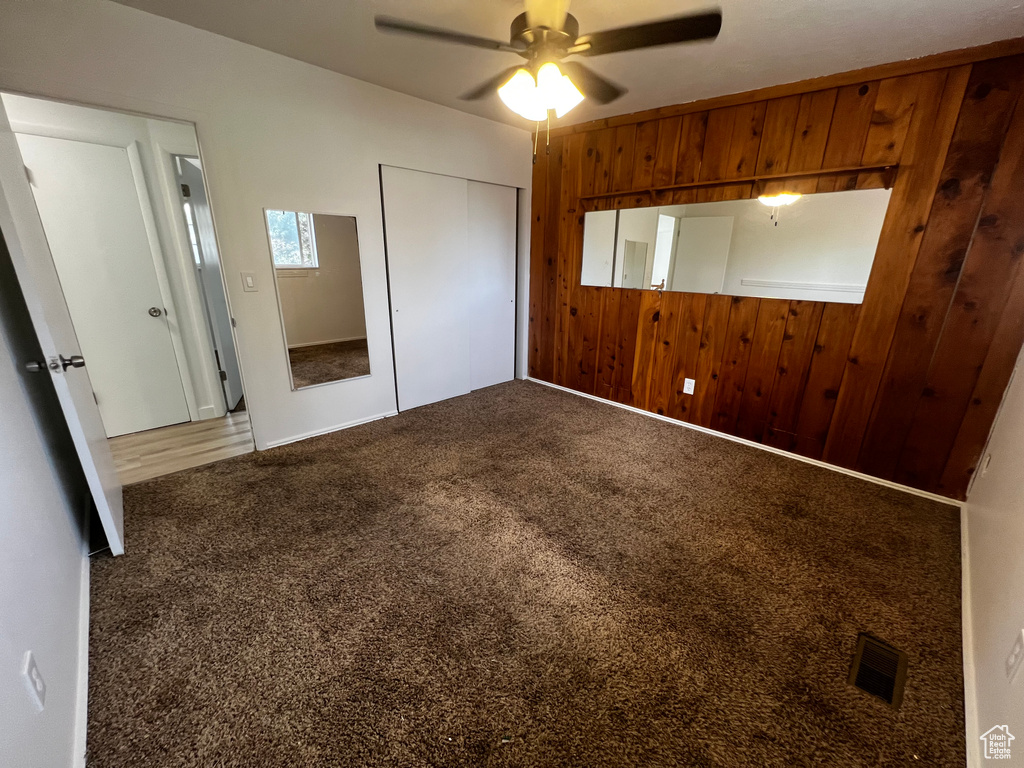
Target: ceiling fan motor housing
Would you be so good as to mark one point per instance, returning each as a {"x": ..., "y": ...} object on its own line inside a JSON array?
[{"x": 535, "y": 41}]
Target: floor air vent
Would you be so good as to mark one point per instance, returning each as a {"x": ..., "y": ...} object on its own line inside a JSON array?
[{"x": 880, "y": 670}]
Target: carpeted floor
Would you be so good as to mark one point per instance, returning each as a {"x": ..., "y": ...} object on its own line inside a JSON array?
[
  {"x": 521, "y": 577},
  {"x": 322, "y": 363}
]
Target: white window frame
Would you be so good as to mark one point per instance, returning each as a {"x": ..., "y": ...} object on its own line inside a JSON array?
[{"x": 315, "y": 258}]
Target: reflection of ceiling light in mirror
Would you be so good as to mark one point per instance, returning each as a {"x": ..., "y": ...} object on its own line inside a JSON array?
[
  {"x": 532, "y": 98},
  {"x": 776, "y": 200}
]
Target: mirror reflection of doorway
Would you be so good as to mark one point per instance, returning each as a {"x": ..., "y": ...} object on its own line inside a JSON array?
[{"x": 139, "y": 269}]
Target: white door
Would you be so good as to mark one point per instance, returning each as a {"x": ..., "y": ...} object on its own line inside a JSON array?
[
  {"x": 88, "y": 196},
  {"x": 492, "y": 293},
  {"x": 210, "y": 279},
  {"x": 26, "y": 242},
  {"x": 425, "y": 223},
  {"x": 634, "y": 265}
]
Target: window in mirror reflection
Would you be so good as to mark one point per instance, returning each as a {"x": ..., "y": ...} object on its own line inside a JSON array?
[
  {"x": 320, "y": 291},
  {"x": 819, "y": 248}
]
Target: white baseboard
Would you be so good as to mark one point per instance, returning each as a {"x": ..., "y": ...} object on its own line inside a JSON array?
[
  {"x": 972, "y": 730},
  {"x": 328, "y": 341},
  {"x": 327, "y": 431},
  {"x": 760, "y": 446},
  {"x": 82, "y": 694}
]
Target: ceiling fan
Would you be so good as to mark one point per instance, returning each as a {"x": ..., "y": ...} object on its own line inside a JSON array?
[{"x": 544, "y": 36}]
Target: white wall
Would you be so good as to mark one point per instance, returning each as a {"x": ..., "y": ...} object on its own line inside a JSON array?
[
  {"x": 43, "y": 565},
  {"x": 325, "y": 304},
  {"x": 274, "y": 133},
  {"x": 641, "y": 226},
  {"x": 598, "y": 247},
  {"x": 156, "y": 141},
  {"x": 994, "y": 516}
]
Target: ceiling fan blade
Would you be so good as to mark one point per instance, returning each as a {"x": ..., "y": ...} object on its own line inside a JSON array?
[
  {"x": 490, "y": 86},
  {"x": 546, "y": 13},
  {"x": 683, "y": 29},
  {"x": 591, "y": 84},
  {"x": 391, "y": 24}
]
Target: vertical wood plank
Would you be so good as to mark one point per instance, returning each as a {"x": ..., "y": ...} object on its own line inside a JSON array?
[
  {"x": 715, "y": 160},
  {"x": 777, "y": 139},
  {"x": 629, "y": 322},
  {"x": 739, "y": 336},
  {"x": 992, "y": 91},
  {"x": 566, "y": 276},
  {"x": 608, "y": 349},
  {"x": 604, "y": 159},
  {"x": 835, "y": 332},
  {"x": 983, "y": 405},
  {"x": 772, "y": 315},
  {"x": 746, "y": 140},
  {"x": 646, "y": 148},
  {"x": 851, "y": 120},
  {"x": 691, "y": 147},
  {"x": 709, "y": 358},
  {"x": 689, "y": 331},
  {"x": 622, "y": 164},
  {"x": 538, "y": 311},
  {"x": 937, "y": 96},
  {"x": 791, "y": 372},
  {"x": 666, "y": 151},
  {"x": 646, "y": 340},
  {"x": 672, "y": 309},
  {"x": 982, "y": 294},
  {"x": 812, "y": 127}
]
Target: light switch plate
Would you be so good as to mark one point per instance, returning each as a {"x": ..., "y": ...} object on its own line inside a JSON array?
[
  {"x": 34, "y": 680},
  {"x": 688, "y": 385},
  {"x": 1013, "y": 661},
  {"x": 249, "y": 282}
]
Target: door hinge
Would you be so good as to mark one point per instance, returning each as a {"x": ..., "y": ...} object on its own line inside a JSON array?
[
  {"x": 96, "y": 399},
  {"x": 223, "y": 376},
  {"x": 233, "y": 323},
  {"x": 185, "y": 191}
]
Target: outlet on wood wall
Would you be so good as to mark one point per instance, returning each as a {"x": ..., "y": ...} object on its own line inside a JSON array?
[{"x": 904, "y": 386}]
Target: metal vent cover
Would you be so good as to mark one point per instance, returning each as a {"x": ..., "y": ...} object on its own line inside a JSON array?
[{"x": 879, "y": 669}]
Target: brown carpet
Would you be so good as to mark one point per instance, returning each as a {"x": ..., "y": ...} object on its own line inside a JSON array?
[
  {"x": 521, "y": 577},
  {"x": 322, "y": 363}
]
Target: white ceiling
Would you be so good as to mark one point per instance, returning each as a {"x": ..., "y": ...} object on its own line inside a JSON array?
[{"x": 763, "y": 42}]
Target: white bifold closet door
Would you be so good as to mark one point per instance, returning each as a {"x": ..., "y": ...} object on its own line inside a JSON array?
[{"x": 451, "y": 247}]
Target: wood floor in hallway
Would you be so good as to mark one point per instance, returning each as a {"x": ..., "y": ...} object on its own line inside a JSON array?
[{"x": 156, "y": 452}]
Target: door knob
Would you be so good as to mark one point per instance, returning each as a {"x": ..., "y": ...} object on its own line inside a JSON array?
[
  {"x": 155, "y": 311},
  {"x": 75, "y": 361}
]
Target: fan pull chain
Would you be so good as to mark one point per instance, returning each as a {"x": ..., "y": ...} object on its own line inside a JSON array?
[
  {"x": 547, "y": 138},
  {"x": 536, "y": 138}
]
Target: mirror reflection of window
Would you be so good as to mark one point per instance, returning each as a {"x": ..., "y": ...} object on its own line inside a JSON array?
[
  {"x": 820, "y": 247},
  {"x": 319, "y": 287}
]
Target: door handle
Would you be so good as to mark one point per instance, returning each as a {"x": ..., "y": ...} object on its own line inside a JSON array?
[
  {"x": 75, "y": 361},
  {"x": 35, "y": 366},
  {"x": 155, "y": 311}
]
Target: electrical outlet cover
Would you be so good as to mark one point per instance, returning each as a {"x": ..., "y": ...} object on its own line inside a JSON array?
[
  {"x": 688, "y": 385},
  {"x": 34, "y": 680}
]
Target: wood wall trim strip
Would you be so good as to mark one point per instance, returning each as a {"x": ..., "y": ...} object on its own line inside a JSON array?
[
  {"x": 883, "y": 385},
  {"x": 945, "y": 60}
]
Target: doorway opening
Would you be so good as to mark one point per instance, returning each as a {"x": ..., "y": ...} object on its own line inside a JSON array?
[{"x": 122, "y": 201}]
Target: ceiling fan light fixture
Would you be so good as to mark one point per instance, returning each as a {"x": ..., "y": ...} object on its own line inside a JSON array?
[
  {"x": 557, "y": 91},
  {"x": 785, "y": 198},
  {"x": 532, "y": 98},
  {"x": 520, "y": 95}
]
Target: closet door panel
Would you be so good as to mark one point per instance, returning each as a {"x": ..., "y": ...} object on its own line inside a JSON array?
[
  {"x": 492, "y": 294},
  {"x": 425, "y": 220}
]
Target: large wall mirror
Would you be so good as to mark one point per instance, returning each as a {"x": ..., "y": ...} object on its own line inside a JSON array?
[
  {"x": 320, "y": 291},
  {"x": 818, "y": 247}
]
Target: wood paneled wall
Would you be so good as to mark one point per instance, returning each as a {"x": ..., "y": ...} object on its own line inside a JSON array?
[{"x": 905, "y": 386}]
